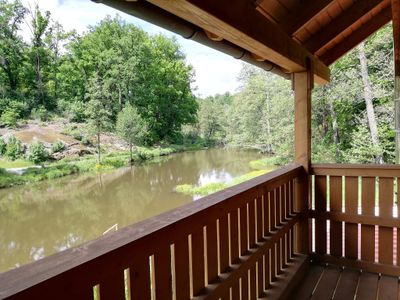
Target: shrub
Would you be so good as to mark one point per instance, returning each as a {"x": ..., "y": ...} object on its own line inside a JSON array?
[
  {"x": 57, "y": 147},
  {"x": 3, "y": 147},
  {"x": 40, "y": 113},
  {"x": 37, "y": 153},
  {"x": 77, "y": 112},
  {"x": 14, "y": 148},
  {"x": 9, "y": 117}
]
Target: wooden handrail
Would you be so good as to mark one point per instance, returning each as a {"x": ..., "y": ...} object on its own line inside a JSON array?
[
  {"x": 367, "y": 170},
  {"x": 74, "y": 272}
]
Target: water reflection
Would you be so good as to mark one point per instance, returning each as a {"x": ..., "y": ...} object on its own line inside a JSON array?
[{"x": 40, "y": 219}]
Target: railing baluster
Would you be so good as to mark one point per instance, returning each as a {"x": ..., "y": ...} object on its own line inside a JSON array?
[
  {"x": 212, "y": 252},
  {"x": 236, "y": 291},
  {"x": 320, "y": 206},
  {"x": 336, "y": 237},
  {"x": 260, "y": 278},
  {"x": 267, "y": 217},
  {"x": 182, "y": 279},
  {"x": 368, "y": 209},
  {"x": 253, "y": 282},
  {"x": 223, "y": 243},
  {"x": 252, "y": 223},
  {"x": 386, "y": 211},
  {"x": 245, "y": 287},
  {"x": 162, "y": 266},
  {"x": 198, "y": 261},
  {"x": 351, "y": 207},
  {"x": 113, "y": 287},
  {"x": 243, "y": 230},
  {"x": 234, "y": 236},
  {"x": 259, "y": 216},
  {"x": 139, "y": 274}
]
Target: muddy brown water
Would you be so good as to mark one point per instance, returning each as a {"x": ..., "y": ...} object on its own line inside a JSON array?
[{"x": 40, "y": 219}]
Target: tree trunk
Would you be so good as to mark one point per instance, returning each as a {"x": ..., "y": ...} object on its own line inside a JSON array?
[
  {"x": 336, "y": 137},
  {"x": 98, "y": 148},
  {"x": 368, "y": 97},
  {"x": 130, "y": 154}
]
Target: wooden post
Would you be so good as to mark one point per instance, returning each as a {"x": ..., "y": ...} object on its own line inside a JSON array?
[
  {"x": 396, "y": 43},
  {"x": 303, "y": 85}
]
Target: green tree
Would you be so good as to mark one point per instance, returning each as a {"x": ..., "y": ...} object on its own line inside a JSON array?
[
  {"x": 131, "y": 127},
  {"x": 98, "y": 110}
]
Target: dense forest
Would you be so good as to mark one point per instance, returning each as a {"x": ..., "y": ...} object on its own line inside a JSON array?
[{"x": 117, "y": 78}]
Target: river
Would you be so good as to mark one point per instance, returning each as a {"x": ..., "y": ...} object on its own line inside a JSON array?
[{"x": 39, "y": 219}]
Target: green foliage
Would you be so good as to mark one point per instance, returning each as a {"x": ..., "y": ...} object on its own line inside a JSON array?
[
  {"x": 14, "y": 148},
  {"x": 131, "y": 127},
  {"x": 57, "y": 147},
  {"x": 37, "y": 153},
  {"x": 40, "y": 113},
  {"x": 76, "y": 111},
  {"x": 3, "y": 147},
  {"x": 9, "y": 118}
]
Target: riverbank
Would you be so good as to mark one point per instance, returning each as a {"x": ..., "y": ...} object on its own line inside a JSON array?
[{"x": 84, "y": 164}]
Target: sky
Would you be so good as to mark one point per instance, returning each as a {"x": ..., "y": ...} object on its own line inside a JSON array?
[{"x": 215, "y": 72}]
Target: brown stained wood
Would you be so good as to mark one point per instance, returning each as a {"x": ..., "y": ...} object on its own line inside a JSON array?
[
  {"x": 386, "y": 245},
  {"x": 272, "y": 210},
  {"x": 212, "y": 253},
  {"x": 198, "y": 261},
  {"x": 304, "y": 14},
  {"x": 223, "y": 243},
  {"x": 267, "y": 269},
  {"x": 139, "y": 274},
  {"x": 305, "y": 289},
  {"x": 278, "y": 202},
  {"x": 243, "y": 230},
  {"x": 263, "y": 38},
  {"x": 368, "y": 208},
  {"x": 273, "y": 264},
  {"x": 367, "y": 286},
  {"x": 357, "y": 36},
  {"x": 339, "y": 24},
  {"x": 259, "y": 219},
  {"x": 163, "y": 275},
  {"x": 287, "y": 200},
  {"x": 365, "y": 170},
  {"x": 245, "y": 287},
  {"x": 113, "y": 287},
  {"x": 279, "y": 257},
  {"x": 386, "y": 211},
  {"x": 388, "y": 288},
  {"x": 336, "y": 238},
  {"x": 267, "y": 217},
  {"x": 320, "y": 206},
  {"x": 327, "y": 284},
  {"x": 357, "y": 264},
  {"x": 182, "y": 278},
  {"x": 253, "y": 282},
  {"x": 234, "y": 236},
  {"x": 252, "y": 223},
  {"x": 351, "y": 207},
  {"x": 347, "y": 285},
  {"x": 236, "y": 291},
  {"x": 260, "y": 277}
]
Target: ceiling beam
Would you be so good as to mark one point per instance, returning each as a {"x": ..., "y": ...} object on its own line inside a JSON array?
[
  {"x": 357, "y": 36},
  {"x": 303, "y": 14},
  {"x": 341, "y": 23},
  {"x": 240, "y": 23}
]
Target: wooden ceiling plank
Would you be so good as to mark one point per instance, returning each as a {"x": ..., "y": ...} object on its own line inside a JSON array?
[
  {"x": 242, "y": 25},
  {"x": 357, "y": 36},
  {"x": 341, "y": 23},
  {"x": 303, "y": 14}
]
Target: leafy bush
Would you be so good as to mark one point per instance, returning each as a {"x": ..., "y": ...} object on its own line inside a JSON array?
[
  {"x": 77, "y": 111},
  {"x": 3, "y": 147},
  {"x": 9, "y": 179},
  {"x": 37, "y": 153},
  {"x": 14, "y": 148},
  {"x": 9, "y": 117},
  {"x": 40, "y": 113},
  {"x": 57, "y": 147}
]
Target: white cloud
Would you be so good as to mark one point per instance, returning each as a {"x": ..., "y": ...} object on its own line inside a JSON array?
[{"x": 214, "y": 72}]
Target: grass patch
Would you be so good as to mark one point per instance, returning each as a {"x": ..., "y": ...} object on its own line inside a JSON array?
[
  {"x": 19, "y": 163},
  {"x": 207, "y": 189}
]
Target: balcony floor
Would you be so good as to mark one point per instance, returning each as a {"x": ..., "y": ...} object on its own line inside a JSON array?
[{"x": 332, "y": 282}]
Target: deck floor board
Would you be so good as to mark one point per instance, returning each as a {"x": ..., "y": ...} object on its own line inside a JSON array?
[{"x": 332, "y": 282}]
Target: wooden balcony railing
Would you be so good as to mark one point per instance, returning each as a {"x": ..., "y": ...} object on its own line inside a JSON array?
[
  {"x": 355, "y": 208},
  {"x": 237, "y": 243}
]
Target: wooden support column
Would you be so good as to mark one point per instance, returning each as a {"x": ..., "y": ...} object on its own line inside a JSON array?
[
  {"x": 303, "y": 85},
  {"x": 396, "y": 42}
]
